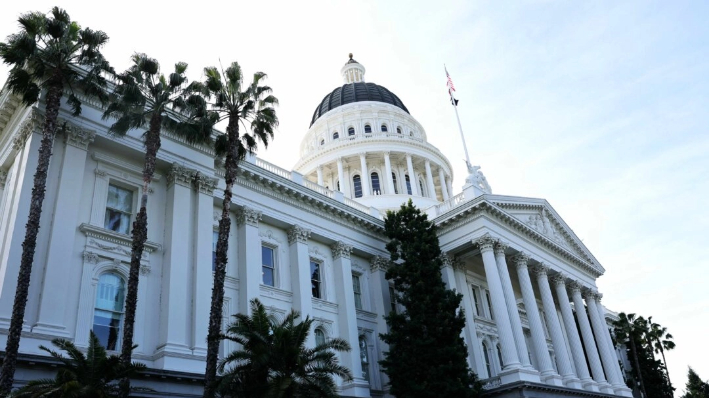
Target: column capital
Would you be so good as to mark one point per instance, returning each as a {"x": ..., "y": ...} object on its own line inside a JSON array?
[
  {"x": 3, "y": 178},
  {"x": 78, "y": 137},
  {"x": 485, "y": 242},
  {"x": 180, "y": 175},
  {"x": 90, "y": 257},
  {"x": 447, "y": 260},
  {"x": 248, "y": 216},
  {"x": 204, "y": 184},
  {"x": 540, "y": 270},
  {"x": 520, "y": 259},
  {"x": 559, "y": 279},
  {"x": 33, "y": 123},
  {"x": 341, "y": 249},
  {"x": 298, "y": 234},
  {"x": 589, "y": 294},
  {"x": 428, "y": 162},
  {"x": 500, "y": 247},
  {"x": 378, "y": 263},
  {"x": 386, "y": 153},
  {"x": 574, "y": 286}
]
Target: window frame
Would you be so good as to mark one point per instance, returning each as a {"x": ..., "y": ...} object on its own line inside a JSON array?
[
  {"x": 407, "y": 181},
  {"x": 121, "y": 314},
  {"x": 351, "y": 131},
  {"x": 357, "y": 178},
  {"x": 133, "y": 206},
  {"x": 319, "y": 281},
  {"x": 315, "y": 335},
  {"x": 335, "y": 135},
  {"x": 367, "y": 128},
  {"x": 476, "y": 304},
  {"x": 378, "y": 189},
  {"x": 357, "y": 290},
  {"x": 274, "y": 257},
  {"x": 364, "y": 356},
  {"x": 215, "y": 239},
  {"x": 394, "y": 182},
  {"x": 384, "y": 128},
  {"x": 486, "y": 358}
]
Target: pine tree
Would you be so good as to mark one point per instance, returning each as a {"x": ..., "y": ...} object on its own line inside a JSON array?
[
  {"x": 427, "y": 355},
  {"x": 696, "y": 388}
]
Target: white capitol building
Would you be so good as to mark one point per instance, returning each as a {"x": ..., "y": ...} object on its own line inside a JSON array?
[{"x": 309, "y": 239}]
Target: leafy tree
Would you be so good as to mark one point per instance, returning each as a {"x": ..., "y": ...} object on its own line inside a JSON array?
[
  {"x": 274, "y": 361},
  {"x": 696, "y": 388},
  {"x": 54, "y": 54},
  {"x": 239, "y": 105},
  {"x": 427, "y": 355},
  {"x": 661, "y": 341},
  {"x": 146, "y": 98},
  {"x": 93, "y": 375}
]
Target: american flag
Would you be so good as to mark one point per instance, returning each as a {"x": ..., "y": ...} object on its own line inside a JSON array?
[{"x": 451, "y": 87}]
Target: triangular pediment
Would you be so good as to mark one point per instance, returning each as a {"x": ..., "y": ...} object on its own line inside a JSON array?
[{"x": 538, "y": 215}]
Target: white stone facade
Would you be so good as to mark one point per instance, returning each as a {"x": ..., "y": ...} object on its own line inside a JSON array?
[{"x": 522, "y": 271}]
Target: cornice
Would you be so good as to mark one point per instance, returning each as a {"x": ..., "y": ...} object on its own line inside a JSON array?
[{"x": 93, "y": 231}]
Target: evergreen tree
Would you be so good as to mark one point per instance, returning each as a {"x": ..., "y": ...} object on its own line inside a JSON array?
[
  {"x": 696, "y": 388},
  {"x": 427, "y": 355}
]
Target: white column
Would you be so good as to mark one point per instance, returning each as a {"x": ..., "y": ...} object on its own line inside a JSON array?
[
  {"x": 387, "y": 170},
  {"x": 202, "y": 276},
  {"x": 412, "y": 177},
  {"x": 535, "y": 323},
  {"x": 622, "y": 389},
  {"x": 442, "y": 179},
  {"x": 381, "y": 301},
  {"x": 554, "y": 327},
  {"x": 572, "y": 332},
  {"x": 450, "y": 186},
  {"x": 249, "y": 253},
  {"x": 588, "y": 340},
  {"x": 176, "y": 268},
  {"x": 344, "y": 185},
  {"x": 300, "y": 274},
  {"x": 511, "y": 302},
  {"x": 366, "y": 191},
  {"x": 347, "y": 320},
  {"x": 497, "y": 295},
  {"x": 429, "y": 180},
  {"x": 606, "y": 352},
  {"x": 320, "y": 179},
  {"x": 61, "y": 265}
]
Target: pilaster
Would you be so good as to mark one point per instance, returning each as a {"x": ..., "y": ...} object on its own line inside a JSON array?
[
  {"x": 249, "y": 253},
  {"x": 364, "y": 178},
  {"x": 382, "y": 305},
  {"x": 300, "y": 273}
]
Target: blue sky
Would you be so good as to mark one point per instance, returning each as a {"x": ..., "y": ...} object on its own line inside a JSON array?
[{"x": 599, "y": 107}]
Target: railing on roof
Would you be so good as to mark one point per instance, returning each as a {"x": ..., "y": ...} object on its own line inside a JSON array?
[
  {"x": 319, "y": 188},
  {"x": 273, "y": 168},
  {"x": 492, "y": 382},
  {"x": 449, "y": 204},
  {"x": 351, "y": 203}
]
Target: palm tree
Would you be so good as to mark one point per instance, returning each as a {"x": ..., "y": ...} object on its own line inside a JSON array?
[
  {"x": 661, "y": 341},
  {"x": 274, "y": 361},
  {"x": 238, "y": 105},
  {"x": 630, "y": 329},
  {"x": 144, "y": 97},
  {"x": 54, "y": 54},
  {"x": 93, "y": 375}
]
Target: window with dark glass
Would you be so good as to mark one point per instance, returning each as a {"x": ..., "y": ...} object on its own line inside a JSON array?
[
  {"x": 367, "y": 128},
  {"x": 315, "y": 278},
  {"x": 476, "y": 301},
  {"x": 357, "y": 186},
  {"x": 398, "y": 130},
  {"x": 108, "y": 312},
  {"x": 376, "y": 188},
  {"x": 364, "y": 357},
  {"x": 487, "y": 359},
  {"x": 118, "y": 209},
  {"x": 421, "y": 192},
  {"x": 499, "y": 357},
  {"x": 335, "y": 135},
  {"x": 384, "y": 128},
  {"x": 322, "y": 142},
  {"x": 319, "y": 337},
  {"x": 408, "y": 184},
  {"x": 350, "y": 131},
  {"x": 215, "y": 238},
  {"x": 489, "y": 304},
  {"x": 393, "y": 179},
  {"x": 268, "y": 265},
  {"x": 357, "y": 289}
]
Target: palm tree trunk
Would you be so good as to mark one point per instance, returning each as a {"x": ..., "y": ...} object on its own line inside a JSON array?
[
  {"x": 53, "y": 102},
  {"x": 140, "y": 236},
  {"x": 215, "y": 313},
  {"x": 637, "y": 365},
  {"x": 667, "y": 371}
]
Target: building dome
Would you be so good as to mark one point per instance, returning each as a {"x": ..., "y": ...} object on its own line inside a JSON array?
[{"x": 356, "y": 92}]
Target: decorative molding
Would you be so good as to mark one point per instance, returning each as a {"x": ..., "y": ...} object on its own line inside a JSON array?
[
  {"x": 341, "y": 249},
  {"x": 485, "y": 242},
  {"x": 276, "y": 293},
  {"x": 144, "y": 269},
  {"x": 324, "y": 305},
  {"x": 589, "y": 294},
  {"x": 540, "y": 270},
  {"x": 180, "y": 175},
  {"x": 559, "y": 279},
  {"x": 500, "y": 247},
  {"x": 248, "y": 216},
  {"x": 268, "y": 234},
  {"x": 314, "y": 251},
  {"x": 33, "y": 123},
  {"x": 298, "y": 234},
  {"x": 378, "y": 263},
  {"x": 100, "y": 173},
  {"x": 573, "y": 285},
  {"x": 3, "y": 178},
  {"x": 520, "y": 259},
  {"x": 446, "y": 259},
  {"x": 204, "y": 184},
  {"x": 90, "y": 257},
  {"x": 122, "y": 165},
  {"x": 77, "y": 136},
  {"x": 93, "y": 231}
]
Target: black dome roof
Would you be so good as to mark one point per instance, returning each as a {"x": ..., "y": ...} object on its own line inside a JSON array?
[{"x": 356, "y": 92}]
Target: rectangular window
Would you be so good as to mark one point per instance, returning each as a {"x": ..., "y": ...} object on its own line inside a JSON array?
[
  {"x": 489, "y": 304},
  {"x": 119, "y": 208},
  {"x": 215, "y": 238},
  {"x": 268, "y": 268},
  {"x": 392, "y": 298},
  {"x": 357, "y": 291},
  {"x": 476, "y": 300},
  {"x": 315, "y": 278}
]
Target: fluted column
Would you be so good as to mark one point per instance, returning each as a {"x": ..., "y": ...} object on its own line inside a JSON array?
[
  {"x": 412, "y": 176},
  {"x": 250, "y": 261},
  {"x": 608, "y": 357},
  {"x": 429, "y": 180},
  {"x": 572, "y": 332},
  {"x": 442, "y": 179},
  {"x": 320, "y": 179},
  {"x": 511, "y": 303},
  {"x": 621, "y": 388},
  {"x": 365, "y": 175},
  {"x": 387, "y": 177},
  {"x": 535, "y": 323},
  {"x": 554, "y": 327},
  {"x": 588, "y": 341},
  {"x": 497, "y": 295},
  {"x": 344, "y": 186}
]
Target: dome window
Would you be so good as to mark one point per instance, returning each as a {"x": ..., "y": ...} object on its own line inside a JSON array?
[
  {"x": 408, "y": 184},
  {"x": 335, "y": 135},
  {"x": 393, "y": 179},
  {"x": 322, "y": 142},
  {"x": 411, "y": 133},
  {"x": 357, "y": 186},
  {"x": 398, "y": 130},
  {"x": 367, "y": 128},
  {"x": 384, "y": 128},
  {"x": 350, "y": 131},
  {"x": 376, "y": 188}
]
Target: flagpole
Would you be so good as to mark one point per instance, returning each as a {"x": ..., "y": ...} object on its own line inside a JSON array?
[{"x": 462, "y": 137}]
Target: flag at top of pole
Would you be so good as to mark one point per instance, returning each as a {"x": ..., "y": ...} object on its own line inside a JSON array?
[
  {"x": 451, "y": 87},
  {"x": 454, "y": 102}
]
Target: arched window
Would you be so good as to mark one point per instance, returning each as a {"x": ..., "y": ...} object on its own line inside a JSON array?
[
  {"x": 367, "y": 128},
  {"x": 364, "y": 357},
  {"x": 487, "y": 359},
  {"x": 335, "y": 135},
  {"x": 421, "y": 191},
  {"x": 408, "y": 185},
  {"x": 499, "y": 357},
  {"x": 319, "y": 337},
  {"x": 398, "y": 130},
  {"x": 350, "y": 131},
  {"x": 384, "y": 128},
  {"x": 411, "y": 133},
  {"x": 357, "y": 186},
  {"x": 108, "y": 312},
  {"x": 322, "y": 142},
  {"x": 376, "y": 189},
  {"x": 393, "y": 179},
  {"x": 338, "y": 186}
]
